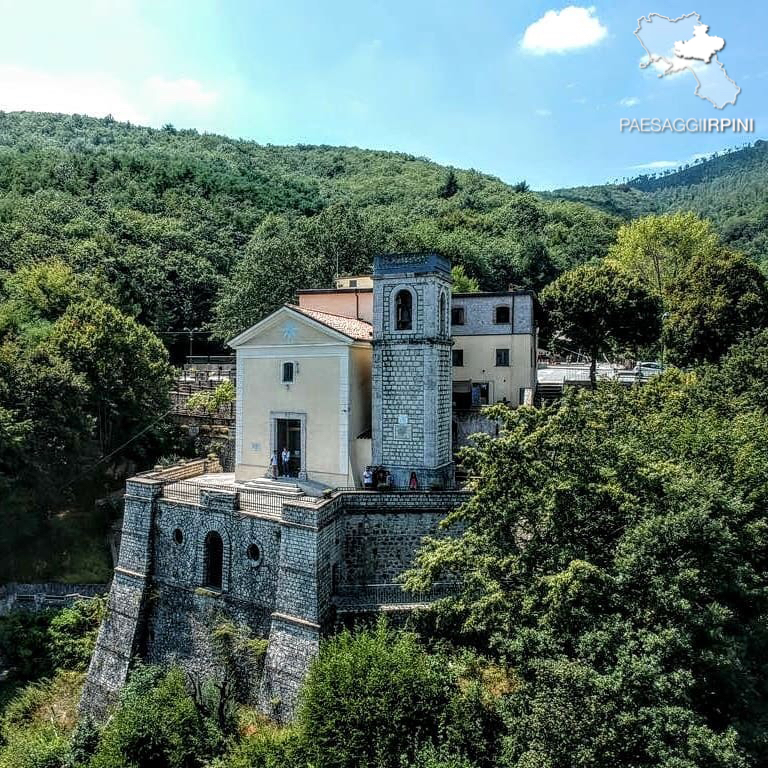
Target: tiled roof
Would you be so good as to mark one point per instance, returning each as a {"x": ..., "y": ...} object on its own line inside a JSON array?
[{"x": 349, "y": 326}]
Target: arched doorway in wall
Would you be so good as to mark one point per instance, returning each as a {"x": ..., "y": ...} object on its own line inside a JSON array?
[{"x": 214, "y": 561}]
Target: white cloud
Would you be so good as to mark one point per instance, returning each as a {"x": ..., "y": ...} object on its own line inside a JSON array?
[
  {"x": 91, "y": 94},
  {"x": 153, "y": 101},
  {"x": 183, "y": 91},
  {"x": 560, "y": 31},
  {"x": 629, "y": 101},
  {"x": 544, "y": 112}
]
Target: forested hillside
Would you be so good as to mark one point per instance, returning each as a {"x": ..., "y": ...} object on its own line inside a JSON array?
[
  {"x": 729, "y": 188},
  {"x": 164, "y": 216}
]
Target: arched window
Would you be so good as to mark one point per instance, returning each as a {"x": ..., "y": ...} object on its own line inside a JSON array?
[
  {"x": 443, "y": 316},
  {"x": 404, "y": 310},
  {"x": 214, "y": 560}
]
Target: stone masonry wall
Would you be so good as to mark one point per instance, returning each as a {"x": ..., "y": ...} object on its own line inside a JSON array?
[
  {"x": 382, "y": 532},
  {"x": 479, "y": 316},
  {"x": 183, "y": 612},
  {"x": 308, "y": 552},
  {"x": 158, "y": 609},
  {"x": 121, "y": 633}
]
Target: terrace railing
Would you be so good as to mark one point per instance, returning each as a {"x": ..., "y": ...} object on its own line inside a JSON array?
[{"x": 248, "y": 500}]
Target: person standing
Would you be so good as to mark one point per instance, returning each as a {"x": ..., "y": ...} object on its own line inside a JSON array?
[
  {"x": 286, "y": 461},
  {"x": 273, "y": 464}
]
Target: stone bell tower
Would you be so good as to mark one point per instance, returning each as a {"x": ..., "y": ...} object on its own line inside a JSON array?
[{"x": 412, "y": 368}]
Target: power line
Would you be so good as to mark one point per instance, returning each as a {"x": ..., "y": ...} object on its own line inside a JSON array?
[{"x": 118, "y": 449}]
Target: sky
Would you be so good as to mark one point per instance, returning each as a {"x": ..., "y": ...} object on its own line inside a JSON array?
[{"x": 528, "y": 91}]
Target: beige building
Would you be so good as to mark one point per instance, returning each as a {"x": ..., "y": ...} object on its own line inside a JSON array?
[
  {"x": 304, "y": 384},
  {"x": 494, "y": 348}
]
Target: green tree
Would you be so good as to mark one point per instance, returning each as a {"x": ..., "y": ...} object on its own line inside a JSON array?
[
  {"x": 370, "y": 699},
  {"x": 286, "y": 255},
  {"x": 739, "y": 380},
  {"x": 156, "y": 724},
  {"x": 450, "y": 186},
  {"x": 658, "y": 249},
  {"x": 125, "y": 367},
  {"x": 718, "y": 299},
  {"x": 599, "y": 308},
  {"x": 462, "y": 282},
  {"x": 611, "y": 557},
  {"x": 72, "y": 633},
  {"x": 36, "y": 295}
]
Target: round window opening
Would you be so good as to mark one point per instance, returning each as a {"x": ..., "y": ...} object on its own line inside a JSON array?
[
  {"x": 253, "y": 552},
  {"x": 178, "y": 536}
]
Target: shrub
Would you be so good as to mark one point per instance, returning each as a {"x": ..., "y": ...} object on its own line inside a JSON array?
[
  {"x": 34, "y": 644},
  {"x": 267, "y": 746},
  {"x": 36, "y": 723},
  {"x": 430, "y": 756},
  {"x": 156, "y": 725},
  {"x": 24, "y": 644},
  {"x": 371, "y": 699},
  {"x": 35, "y": 747},
  {"x": 73, "y": 631}
]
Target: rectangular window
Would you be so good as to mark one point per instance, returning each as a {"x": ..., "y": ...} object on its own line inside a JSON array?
[
  {"x": 501, "y": 316},
  {"x": 288, "y": 373},
  {"x": 458, "y": 357},
  {"x": 457, "y": 316},
  {"x": 502, "y": 358},
  {"x": 353, "y": 283}
]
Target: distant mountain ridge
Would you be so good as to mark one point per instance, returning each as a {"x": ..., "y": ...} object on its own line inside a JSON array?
[{"x": 730, "y": 188}]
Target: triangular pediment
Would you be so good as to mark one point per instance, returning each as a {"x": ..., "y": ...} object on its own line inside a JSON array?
[{"x": 287, "y": 326}]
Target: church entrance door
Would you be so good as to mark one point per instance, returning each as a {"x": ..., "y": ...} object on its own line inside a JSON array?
[{"x": 289, "y": 436}]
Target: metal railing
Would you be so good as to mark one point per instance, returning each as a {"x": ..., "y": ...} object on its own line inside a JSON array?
[
  {"x": 254, "y": 500},
  {"x": 248, "y": 500},
  {"x": 188, "y": 493}
]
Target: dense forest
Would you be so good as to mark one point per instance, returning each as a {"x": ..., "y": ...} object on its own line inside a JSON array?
[
  {"x": 728, "y": 188},
  {"x": 165, "y": 217}
]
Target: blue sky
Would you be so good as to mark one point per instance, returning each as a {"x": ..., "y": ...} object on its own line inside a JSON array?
[{"x": 459, "y": 82}]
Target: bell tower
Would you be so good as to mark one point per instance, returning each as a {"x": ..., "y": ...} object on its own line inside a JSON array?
[{"x": 412, "y": 368}]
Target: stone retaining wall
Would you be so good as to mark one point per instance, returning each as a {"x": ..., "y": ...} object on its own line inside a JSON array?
[{"x": 280, "y": 574}]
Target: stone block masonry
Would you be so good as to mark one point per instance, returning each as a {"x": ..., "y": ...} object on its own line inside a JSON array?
[
  {"x": 121, "y": 633},
  {"x": 279, "y": 576},
  {"x": 412, "y": 372}
]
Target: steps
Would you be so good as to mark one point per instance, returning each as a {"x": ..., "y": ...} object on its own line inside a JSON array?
[{"x": 280, "y": 487}]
